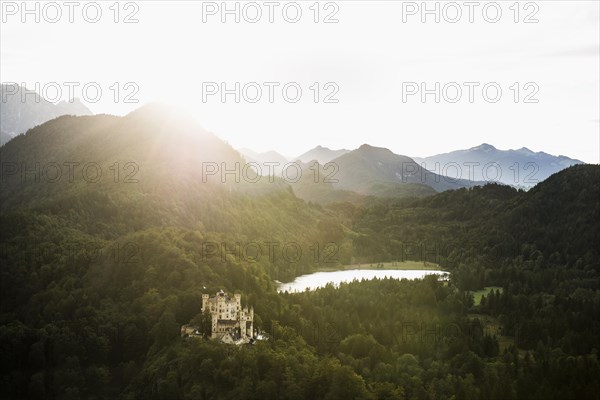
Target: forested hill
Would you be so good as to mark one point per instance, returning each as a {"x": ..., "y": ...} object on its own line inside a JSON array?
[
  {"x": 561, "y": 216},
  {"x": 100, "y": 269},
  {"x": 154, "y": 148},
  {"x": 493, "y": 224},
  {"x": 112, "y": 176},
  {"x": 153, "y": 167},
  {"x": 109, "y": 224}
]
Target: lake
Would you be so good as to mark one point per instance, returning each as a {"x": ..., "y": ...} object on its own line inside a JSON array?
[{"x": 320, "y": 279}]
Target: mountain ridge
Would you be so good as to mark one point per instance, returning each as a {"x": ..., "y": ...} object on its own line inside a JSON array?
[
  {"x": 516, "y": 167},
  {"x": 20, "y": 113},
  {"x": 99, "y": 277}
]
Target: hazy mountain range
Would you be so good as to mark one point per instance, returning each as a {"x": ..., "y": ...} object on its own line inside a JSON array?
[
  {"x": 521, "y": 168},
  {"x": 22, "y": 109},
  {"x": 377, "y": 171},
  {"x": 370, "y": 167},
  {"x": 365, "y": 171},
  {"x": 102, "y": 264},
  {"x": 320, "y": 154},
  {"x": 354, "y": 175}
]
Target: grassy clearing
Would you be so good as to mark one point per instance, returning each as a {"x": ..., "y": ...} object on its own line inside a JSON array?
[{"x": 484, "y": 292}]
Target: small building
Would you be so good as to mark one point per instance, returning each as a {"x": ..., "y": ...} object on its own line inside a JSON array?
[
  {"x": 189, "y": 330},
  {"x": 228, "y": 318}
]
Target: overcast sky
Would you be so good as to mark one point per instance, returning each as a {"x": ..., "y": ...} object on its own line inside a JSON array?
[{"x": 370, "y": 55}]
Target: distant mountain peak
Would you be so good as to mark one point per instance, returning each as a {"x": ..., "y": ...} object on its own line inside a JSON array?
[
  {"x": 319, "y": 147},
  {"x": 321, "y": 154},
  {"x": 484, "y": 147},
  {"x": 525, "y": 150},
  {"x": 23, "y": 109},
  {"x": 368, "y": 148},
  {"x": 266, "y": 160}
]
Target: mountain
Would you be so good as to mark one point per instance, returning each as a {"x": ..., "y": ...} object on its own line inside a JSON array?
[
  {"x": 273, "y": 158},
  {"x": 321, "y": 154},
  {"x": 373, "y": 170},
  {"x": 22, "y": 109},
  {"x": 554, "y": 223},
  {"x": 315, "y": 186},
  {"x": 520, "y": 168},
  {"x": 114, "y": 214},
  {"x": 154, "y": 150},
  {"x": 111, "y": 176},
  {"x": 111, "y": 235},
  {"x": 359, "y": 175},
  {"x": 497, "y": 234}
]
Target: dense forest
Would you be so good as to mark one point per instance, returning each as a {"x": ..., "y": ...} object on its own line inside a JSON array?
[{"x": 98, "y": 275}]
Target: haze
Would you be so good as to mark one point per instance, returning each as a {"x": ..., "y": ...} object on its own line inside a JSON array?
[{"x": 368, "y": 55}]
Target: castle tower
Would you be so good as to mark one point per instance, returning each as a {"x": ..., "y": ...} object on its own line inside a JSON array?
[
  {"x": 205, "y": 298},
  {"x": 215, "y": 325}
]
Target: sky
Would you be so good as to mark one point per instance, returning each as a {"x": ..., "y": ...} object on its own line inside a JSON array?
[{"x": 361, "y": 68}]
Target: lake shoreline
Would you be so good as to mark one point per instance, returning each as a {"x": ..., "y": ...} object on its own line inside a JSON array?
[
  {"x": 320, "y": 279},
  {"x": 390, "y": 265}
]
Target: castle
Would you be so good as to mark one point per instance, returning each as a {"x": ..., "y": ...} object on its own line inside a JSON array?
[{"x": 229, "y": 321}]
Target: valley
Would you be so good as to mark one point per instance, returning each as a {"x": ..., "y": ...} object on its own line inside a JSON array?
[
  {"x": 520, "y": 299},
  {"x": 337, "y": 200}
]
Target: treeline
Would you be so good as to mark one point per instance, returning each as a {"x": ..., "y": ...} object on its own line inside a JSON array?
[
  {"x": 491, "y": 227},
  {"x": 97, "y": 279},
  {"x": 78, "y": 324},
  {"x": 380, "y": 339}
]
